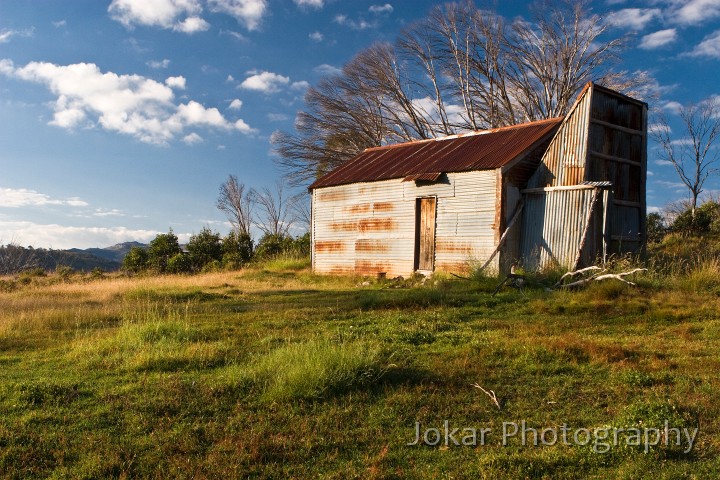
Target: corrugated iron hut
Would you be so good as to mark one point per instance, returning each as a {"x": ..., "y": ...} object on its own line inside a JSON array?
[{"x": 563, "y": 191}]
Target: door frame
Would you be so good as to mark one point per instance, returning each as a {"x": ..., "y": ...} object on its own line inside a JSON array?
[{"x": 418, "y": 227}]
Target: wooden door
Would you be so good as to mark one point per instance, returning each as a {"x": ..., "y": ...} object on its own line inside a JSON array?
[{"x": 425, "y": 234}]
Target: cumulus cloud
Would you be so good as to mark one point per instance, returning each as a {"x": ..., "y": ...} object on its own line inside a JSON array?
[
  {"x": 180, "y": 15},
  {"x": 176, "y": 82},
  {"x": 301, "y": 85},
  {"x": 310, "y": 3},
  {"x": 192, "y": 139},
  {"x": 236, "y": 104},
  {"x": 127, "y": 104},
  {"x": 158, "y": 64},
  {"x": 192, "y": 25},
  {"x": 658, "y": 39},
  {"x": 247, "y": 12},
  {"x": 277, "y": 117},
  {"x": 634, "y": 18},
  {"x": 380, "y": 9},
  {"x": 328, "y": 70},
  {"x": 22, "y": 197},
  {"x": 266, "y": 82},
  {"x": 694, "y": 12},
  {"x": 62, "y": 236},
  {"x": 709, "y": 47},
  {"x": 316, "y": 37},
  {"x": 243, "y": 127}
]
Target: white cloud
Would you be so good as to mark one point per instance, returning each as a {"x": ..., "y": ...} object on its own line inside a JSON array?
[
  {"x": 663, "y": 163},
  {"x": 328, "y": 70},
  {"x": 159, "y": 13},
  {"x": 236, "y": 104},
  {"x": 243, "y": 127},
  {"x": 694, "y": 12},
  {"x": 113, "y": 212},
  {"x": 316, "y": 36},
  {"x": 158, "y": 64},
  {"x": 277, "y": 117},
  {"x": 176, "y": 82},
  {"x": 301, "y": 85},
  {"x": 128, "y": 104},
  {"x": 192, "y": 25},
  {"x": 360, "y": 24},
  {"x": 379, "y": 9},
  {"x": 634, "y": 18},
  {"x": 236, "y": 35},
  {"x": 658, "y": 39},
  {"x": 266, "y": 82},
  {"x": 192, "y": 139},
  {"x": 653, "y": 209},
  {"x": 310, "y": 3},
  {"x": 672, "y": 107},
  {"x": 6, "y": 35},
  {"x": 230, "y": 79},
  {"x": 22, "y": 197},
  {"x": 61, "y": 236},
  {"x": 709, "y": 47},
  {"x": 59, "y": 23},
  {"x": 248, "y": 12}
]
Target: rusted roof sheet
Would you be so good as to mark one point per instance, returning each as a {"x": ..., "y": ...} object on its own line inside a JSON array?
[
  {"x": 483, "y": 150},
  {"x": 423, "y": 177}
]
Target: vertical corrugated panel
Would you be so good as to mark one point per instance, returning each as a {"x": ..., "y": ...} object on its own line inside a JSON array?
[
  {"x": 564, "y": 161},
  {"x": 553, "y": 224},
  {"x": 465, "y": 233}
]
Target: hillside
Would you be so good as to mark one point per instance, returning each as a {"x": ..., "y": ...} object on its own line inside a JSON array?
[
  {"x": 274, "y": 372},
  {"x": 14, "y": 259}
]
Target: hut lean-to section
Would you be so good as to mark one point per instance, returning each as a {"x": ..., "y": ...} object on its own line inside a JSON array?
[{"x": 537, "y": 193}]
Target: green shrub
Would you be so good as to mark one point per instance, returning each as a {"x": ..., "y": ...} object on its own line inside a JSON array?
[
  {"x": 237, "y": 250},
  {"x": 180, "y": 263},
  {"x": 205, "y": 247},
  {"x": 136, "y": 260},
  {"x": 705, "y": 215},
  {"x": 161, "y": 249},
  {"x": 656, "y": 228}
]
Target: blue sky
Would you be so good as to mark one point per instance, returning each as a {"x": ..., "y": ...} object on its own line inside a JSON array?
[{"x": 120, "y": 119}]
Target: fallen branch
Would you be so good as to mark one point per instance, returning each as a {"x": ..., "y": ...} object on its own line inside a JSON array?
[
  {"x": 598, "y": 278},
  {"x": 489, "y": 393},
  {"x": 576, "y": 273}
]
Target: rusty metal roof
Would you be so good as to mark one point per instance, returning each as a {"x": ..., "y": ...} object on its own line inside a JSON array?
[{"x": 483, "y": 150}]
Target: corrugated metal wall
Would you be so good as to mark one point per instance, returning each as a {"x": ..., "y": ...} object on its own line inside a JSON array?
[
  {"x": 564, "y": 161},
  {"x": 367, "y": 228},
  {"x": 553, "y": 225}
]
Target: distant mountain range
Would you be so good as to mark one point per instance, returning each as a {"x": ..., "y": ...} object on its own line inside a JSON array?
[
  {"x": 14, "y": 258},
  {"x": 116, "y": 253}
]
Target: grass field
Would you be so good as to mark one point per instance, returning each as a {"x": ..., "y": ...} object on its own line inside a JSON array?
[{"x": 273, "y": 372}]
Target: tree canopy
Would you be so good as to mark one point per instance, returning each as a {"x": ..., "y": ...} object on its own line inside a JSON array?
[{"x": 462, "y": 68}]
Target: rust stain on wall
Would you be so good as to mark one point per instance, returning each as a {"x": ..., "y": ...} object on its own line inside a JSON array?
[
  {"x": 366, "y": 245},
  {"x": 335, "y": 196},
  {"x": 343, "y": 226},
  {"x": 329, "y": 246},
  {"x": 370, "y": 268},
  {"x": 358, "y": 209},
  {"x": 341, "y": 271},
  {"x": 449, "y": 246},
  {"x": 376, "y": 225},
  {"x": 383, "y": 207}
]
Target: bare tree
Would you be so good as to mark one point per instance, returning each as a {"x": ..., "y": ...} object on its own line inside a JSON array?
[
  {"x": 694, "y": 155},
  {"x": 236, "y": 203},
  {"x": 460, "y": 69},
  {"x": 301, "y": 210},
  {"x": 15, "y": 258},
  {"x": 276, "y": 210}
]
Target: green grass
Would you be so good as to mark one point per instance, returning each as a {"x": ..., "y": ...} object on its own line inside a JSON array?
[{"x": 274, "y": 372}]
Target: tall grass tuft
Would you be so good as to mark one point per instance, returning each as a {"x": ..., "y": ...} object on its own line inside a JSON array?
[{"x": 315, "y": 369}]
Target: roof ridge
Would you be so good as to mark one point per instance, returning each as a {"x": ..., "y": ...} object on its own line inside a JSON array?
[{"x": 465, "y": 134}]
